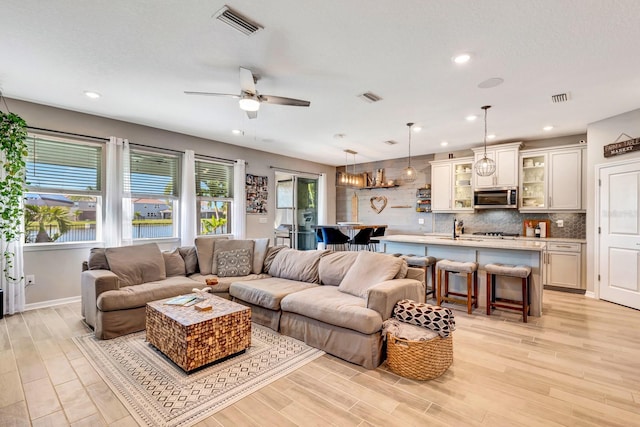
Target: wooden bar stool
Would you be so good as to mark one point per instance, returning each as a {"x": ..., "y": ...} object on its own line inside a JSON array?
[
  {"x": 468, "y": 268},
  {"x": 424, "y": 262},
  {"x": 520, "y": 271}
]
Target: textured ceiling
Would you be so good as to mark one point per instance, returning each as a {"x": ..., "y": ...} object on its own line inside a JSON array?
[{"x": 142, "y": 55}]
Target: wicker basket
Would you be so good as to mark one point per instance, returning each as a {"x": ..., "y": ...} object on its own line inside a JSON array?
[{"x": 419, "y": 360}]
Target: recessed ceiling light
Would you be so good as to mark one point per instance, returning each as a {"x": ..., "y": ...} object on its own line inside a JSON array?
[
  {"x": 491, "y": 136},
  {"x": 444, "y": 143},
  {"x": 91, "y": 94},
  {"x": 471, "y": 118},
  {"x": 547, "y": 128},
  {"x": 462, "y": 58},
  {"x": 237, "y": 132},
  {"x": 339, "y": 136},
  {"x": 417, "y": 128}
]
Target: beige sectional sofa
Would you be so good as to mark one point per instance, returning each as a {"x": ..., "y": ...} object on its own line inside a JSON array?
[{"x": 335, "y": 301}]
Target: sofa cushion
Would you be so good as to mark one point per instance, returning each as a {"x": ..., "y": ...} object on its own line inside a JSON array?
[
  {"x": 260, "y": 248},
  {"x": 404, "y": 269},
  {"x": 327, "y": 304},
  {"x": 174, "y": 264},
  {"x": 229, "y": 245},
  {"x": 297, "y": 265},
  {"x": 268, "y": 292},
  {"x": 271, "y": 255},
  {"x": 236, "y": 263},
  {"x": 334, "y": 266},
  {"x": 224, "y": 282},
  {"x": 98, "y": 259},
  {"x": 205, "y": 246},
  {"x": 136, "y": 264},
  {"x": 190, "y": 258},
  {"x": 370, "y": 268},
  {"x": 138, "y": 296}
]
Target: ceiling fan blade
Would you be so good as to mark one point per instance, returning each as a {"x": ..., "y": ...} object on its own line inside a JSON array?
[
  {"x": 252, "y": 114},
  {"x": 247, "y": 82},
  {"x": 281, "y": 100},
  {"x": 228, "y": 95}
]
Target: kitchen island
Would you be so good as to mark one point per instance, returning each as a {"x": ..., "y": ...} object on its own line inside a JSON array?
[{"x": 483, "y": 250}]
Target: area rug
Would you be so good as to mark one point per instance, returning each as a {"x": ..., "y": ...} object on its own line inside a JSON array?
[{"x": 158, "y": 393}]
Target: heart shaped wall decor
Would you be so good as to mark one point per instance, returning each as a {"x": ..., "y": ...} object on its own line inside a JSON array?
[{"x": 378, "y": 203}]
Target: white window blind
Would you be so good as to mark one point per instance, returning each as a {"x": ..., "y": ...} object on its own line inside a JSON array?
[
  {"x": 55, "y": 165},
  {"x": 214, "y": 179},
  {"x": 153, "y": 174}
]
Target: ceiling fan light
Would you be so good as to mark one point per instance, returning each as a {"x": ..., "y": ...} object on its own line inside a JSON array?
[{"x": 249, "y": 103}]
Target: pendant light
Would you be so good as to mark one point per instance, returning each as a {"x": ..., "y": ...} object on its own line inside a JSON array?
[
  {"x": 485, "y": 166},
  {"x": 409, "y": 173}
]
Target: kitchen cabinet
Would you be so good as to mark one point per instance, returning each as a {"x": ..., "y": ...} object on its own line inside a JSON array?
[
  {"x": 451, "y": 185},
  {"x": 551, "y": 179},
  {"x": 506, "y": 158},
  {"x": 562, "y": 265}
]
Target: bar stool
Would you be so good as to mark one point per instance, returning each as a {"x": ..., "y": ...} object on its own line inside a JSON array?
[
  {"x": 424, "y": 262},
  {"x": 468, "y": 268},
  {"x": 520, "y": 271}
]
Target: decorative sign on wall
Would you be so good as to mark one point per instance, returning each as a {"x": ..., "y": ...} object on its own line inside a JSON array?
[
  {"x": 257, "y": 194},
  {"x": 622, "y": 147}
]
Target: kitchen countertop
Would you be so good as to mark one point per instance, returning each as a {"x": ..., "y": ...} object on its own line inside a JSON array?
[{"x": 469, "y": 241}]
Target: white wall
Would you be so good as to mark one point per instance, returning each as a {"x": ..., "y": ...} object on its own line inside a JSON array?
[
  {"x": 57, "y": 269},
  {"x": 599, "y": 134}
]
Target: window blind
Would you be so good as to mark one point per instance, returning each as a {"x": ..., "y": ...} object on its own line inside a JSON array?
[
  {"x": 57, "y": 165},
  {"x": 214, "y": 179},
  {"x": 153, "y": 174}
]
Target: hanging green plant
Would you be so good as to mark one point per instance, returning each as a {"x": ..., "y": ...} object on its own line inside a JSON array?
[{"x": 13, "y": 146}]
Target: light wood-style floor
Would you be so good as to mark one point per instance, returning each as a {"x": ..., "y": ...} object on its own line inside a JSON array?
[{"x": 578, "y": 365}]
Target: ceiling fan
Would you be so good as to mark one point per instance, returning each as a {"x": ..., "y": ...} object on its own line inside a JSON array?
[{"x": 249, "y": 97}]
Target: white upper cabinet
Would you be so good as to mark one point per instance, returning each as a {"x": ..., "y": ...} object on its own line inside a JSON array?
[
  {"x": 451, "y": 185},
  {"x": 551, "y": 179},
  {"x": 506, "y": 158}
]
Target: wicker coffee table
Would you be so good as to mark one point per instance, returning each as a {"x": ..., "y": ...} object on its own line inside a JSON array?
[{"x": 193, "y": 338}]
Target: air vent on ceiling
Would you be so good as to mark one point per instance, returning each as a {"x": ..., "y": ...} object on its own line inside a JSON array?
[
  {"x": 391, "y": 142},
  {"x": 369, "y": 97},
  {"x": 237, "y": 21},
  {"x": 561, "y": 97}
]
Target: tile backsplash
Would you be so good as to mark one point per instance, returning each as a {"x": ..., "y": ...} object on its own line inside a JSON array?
[{"x": 510, "y": 221}]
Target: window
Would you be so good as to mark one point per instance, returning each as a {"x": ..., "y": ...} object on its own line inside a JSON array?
[
  {"x": 154, "y": 194},
  {"x": 64, "y": 190},
  {"x": 214, "y": 191}
]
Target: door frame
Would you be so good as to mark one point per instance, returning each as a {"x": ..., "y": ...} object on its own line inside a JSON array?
[{"x": 597, "y": 222}]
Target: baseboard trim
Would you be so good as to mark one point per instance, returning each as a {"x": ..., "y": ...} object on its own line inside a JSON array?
[
  {"x": 51, "y": 303},
  {"x": 590, "y": 294}
]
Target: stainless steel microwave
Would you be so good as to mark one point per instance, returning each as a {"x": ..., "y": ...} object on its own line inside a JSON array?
[{"x": 496, "y": 198}]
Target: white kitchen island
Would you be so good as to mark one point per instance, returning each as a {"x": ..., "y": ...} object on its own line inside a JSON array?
[{"x": 483, "y": 250}]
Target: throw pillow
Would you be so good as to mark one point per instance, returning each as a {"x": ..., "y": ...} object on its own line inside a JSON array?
[
  {"x": 205, "y": 246},
  {"x": 190, "y": 258},
  {"x": 98, "y": 260},
  {"x": 260, "y": 248},
  {"x": 436, "y": 318},
  {"x": 174, "y": 264},
  {"x": 369, "y": 269},
  {"x": 297, "y": 265},
  {"x": 234, "y": 263},
  {"x": 229, "y": 245},
  {"x": 137, "y": 264}
]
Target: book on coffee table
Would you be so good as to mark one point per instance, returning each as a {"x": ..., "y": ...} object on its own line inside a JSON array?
[{"x": 184, "y": 300}]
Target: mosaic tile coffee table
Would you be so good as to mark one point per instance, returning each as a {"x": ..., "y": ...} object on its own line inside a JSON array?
[{"x": 193, "y": 338}]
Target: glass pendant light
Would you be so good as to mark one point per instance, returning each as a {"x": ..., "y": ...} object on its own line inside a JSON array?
[
  {"x": 409, "y": 173},
  {"x": 485, "y": 166}
]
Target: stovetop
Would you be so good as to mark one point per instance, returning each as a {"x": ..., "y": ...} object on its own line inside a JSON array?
[{"x": 496, "y": 234}]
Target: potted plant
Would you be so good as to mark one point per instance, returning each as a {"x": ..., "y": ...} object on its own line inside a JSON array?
[{"x": 13, "y": 151}]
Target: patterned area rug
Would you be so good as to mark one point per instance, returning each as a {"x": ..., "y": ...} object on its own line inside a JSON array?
[{"x": 158, "y": 393}]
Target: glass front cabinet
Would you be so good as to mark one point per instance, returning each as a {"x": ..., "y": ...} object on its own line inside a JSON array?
[{"x": 533, "y": 190}]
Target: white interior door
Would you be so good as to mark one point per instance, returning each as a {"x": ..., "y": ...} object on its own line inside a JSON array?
[{"x": 619, "y": 250}]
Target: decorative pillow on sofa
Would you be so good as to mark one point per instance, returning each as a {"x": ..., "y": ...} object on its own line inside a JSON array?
[
  {"x": 260, "y": 248},
  {"x": 174, "y": 264},
  {"x": 137, "y": 264},
  {"x": 190, "y": 258},
  {"x": 369, "y": 269},
  {"x": 434, "y": 317},
  {"x": 234, "y": 263},
  {"x": 205, "y": 246},
  {"x": 229, "y": 245},
  {"x": 98, "y": 260}
]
